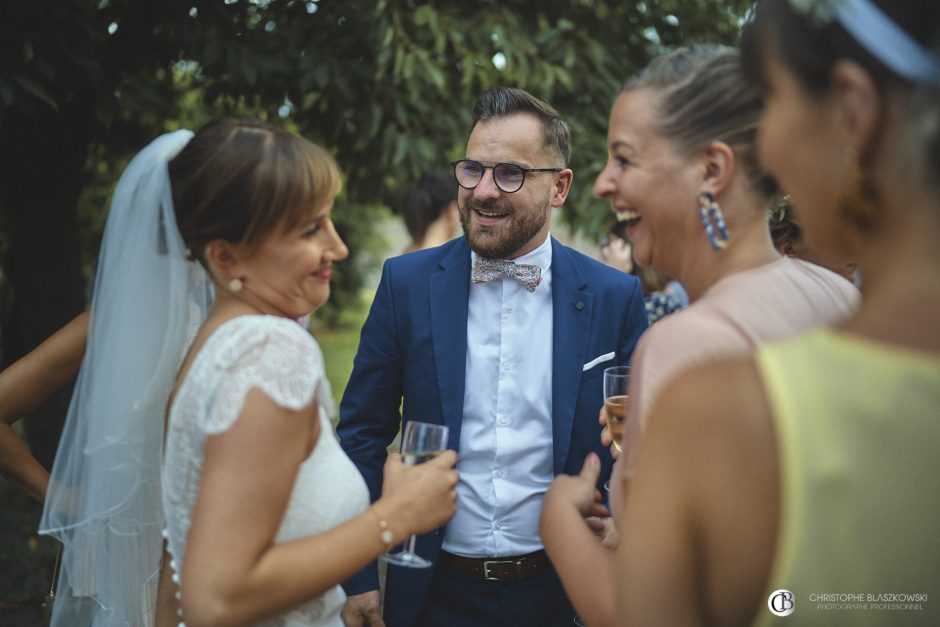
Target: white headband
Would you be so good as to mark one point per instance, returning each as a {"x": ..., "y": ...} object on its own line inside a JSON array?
[
  {"x": 878, "y": 34},
  {"x": 887, "y": 41}
]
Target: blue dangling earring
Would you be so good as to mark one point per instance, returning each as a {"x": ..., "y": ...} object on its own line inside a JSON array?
[{"x": 709, "y": 212}]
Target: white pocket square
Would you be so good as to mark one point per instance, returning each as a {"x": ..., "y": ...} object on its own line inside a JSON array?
[{"x": 597, "y": 360}]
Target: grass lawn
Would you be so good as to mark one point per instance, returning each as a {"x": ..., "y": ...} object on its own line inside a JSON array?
[
  {"x": 339, "y": 345},
  {"x": 339, "y": 348}
]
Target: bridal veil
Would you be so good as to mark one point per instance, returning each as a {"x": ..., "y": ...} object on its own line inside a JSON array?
[{"x": 104, "y": 497}]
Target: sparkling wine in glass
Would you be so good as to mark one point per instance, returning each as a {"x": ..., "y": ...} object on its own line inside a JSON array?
[
  {"x": 616, "y": 401},
  {"x": 421, "y": 442}
]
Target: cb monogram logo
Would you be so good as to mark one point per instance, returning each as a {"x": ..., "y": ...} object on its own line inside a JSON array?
[{"x": 781, "y": 602}]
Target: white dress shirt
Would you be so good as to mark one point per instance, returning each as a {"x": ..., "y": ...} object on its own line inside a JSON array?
[{"x": 505, "y": 460}]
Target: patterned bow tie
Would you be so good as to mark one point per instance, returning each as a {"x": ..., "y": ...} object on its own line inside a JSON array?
[{"x": 485, "y": 270}]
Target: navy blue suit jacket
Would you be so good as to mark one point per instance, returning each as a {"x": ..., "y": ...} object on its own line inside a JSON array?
[{"x": 412, "y": 354}]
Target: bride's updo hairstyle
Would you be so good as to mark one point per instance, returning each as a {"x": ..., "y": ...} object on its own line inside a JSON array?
[
  {"x": 240, "y": 180},
  {"x": 703, "y": 97},
  {"x": 896, "y": 41}
]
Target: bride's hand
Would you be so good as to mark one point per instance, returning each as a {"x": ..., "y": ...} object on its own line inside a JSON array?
[{"x": 420, "y": 498}]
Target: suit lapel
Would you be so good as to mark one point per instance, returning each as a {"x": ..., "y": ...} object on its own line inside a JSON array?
[
  {"x": 571, "y": 325},
  {"x": 449, "y": 301}
]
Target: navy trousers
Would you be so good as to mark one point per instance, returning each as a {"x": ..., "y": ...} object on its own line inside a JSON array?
[{"x": 460, "y": 600}]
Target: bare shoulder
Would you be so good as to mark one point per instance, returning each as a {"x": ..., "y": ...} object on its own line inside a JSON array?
[
  {"x": 717, "y": 419},
  {"x": 717, "y": 398},
  {"x": 682, "y": 341}
]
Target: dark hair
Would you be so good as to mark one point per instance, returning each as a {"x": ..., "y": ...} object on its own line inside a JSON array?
[
  {"x": 704, "y": 98},
  {"x": 426, "y": 199},
  {"x": 783, "y": 226},
  {"x": 810, "y": 46},
  {"x": 240, "y": 180},
  {"x": 503, "y": 101}
]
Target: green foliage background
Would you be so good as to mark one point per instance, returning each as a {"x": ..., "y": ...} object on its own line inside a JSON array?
[{"x": 386, "y": 85}]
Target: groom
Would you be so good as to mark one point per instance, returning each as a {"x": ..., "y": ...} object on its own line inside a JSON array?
[{"x": 510, "y": 356}]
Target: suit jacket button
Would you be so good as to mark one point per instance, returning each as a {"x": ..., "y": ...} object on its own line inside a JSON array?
[{"x": 579, "y": 305}]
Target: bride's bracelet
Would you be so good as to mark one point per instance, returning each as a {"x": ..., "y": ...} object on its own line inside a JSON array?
[{"x": 386, "y": 536}]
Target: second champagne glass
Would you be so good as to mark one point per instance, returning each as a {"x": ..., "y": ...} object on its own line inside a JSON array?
[
  {"x": 616, "y": 400},
  {"x": 421, "y": 442}
]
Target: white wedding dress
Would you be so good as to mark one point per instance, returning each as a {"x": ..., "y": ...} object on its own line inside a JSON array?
[{"x": 280, "y": 358}]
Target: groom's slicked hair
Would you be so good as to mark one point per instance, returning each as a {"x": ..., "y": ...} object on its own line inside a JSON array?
[
  {"x": 504, "y": 101},
  {"x": 240, "y": 180}
]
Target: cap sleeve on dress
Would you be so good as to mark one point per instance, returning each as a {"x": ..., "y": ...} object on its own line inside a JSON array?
[{"x": 274, "y": 355}]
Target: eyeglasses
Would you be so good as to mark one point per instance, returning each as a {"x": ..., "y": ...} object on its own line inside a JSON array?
[{"x": 508, "y": 177}]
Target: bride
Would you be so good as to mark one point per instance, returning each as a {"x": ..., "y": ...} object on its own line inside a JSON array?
[{"x": 264, "y": 514}]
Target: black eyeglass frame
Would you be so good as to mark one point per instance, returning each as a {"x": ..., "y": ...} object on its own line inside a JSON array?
[{"x": 493, "y": 167}]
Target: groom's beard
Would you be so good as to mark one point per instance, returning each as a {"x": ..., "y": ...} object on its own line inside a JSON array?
[{"x": 501, "y": 241}]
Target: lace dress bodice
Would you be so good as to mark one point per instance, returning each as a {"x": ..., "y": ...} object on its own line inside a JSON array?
[{"x": 279, "y": 358}]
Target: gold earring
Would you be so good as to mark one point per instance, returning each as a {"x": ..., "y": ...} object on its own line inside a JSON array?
[
  {"x": 859, "y": 199},
  {"x": 236, "y": 285}
]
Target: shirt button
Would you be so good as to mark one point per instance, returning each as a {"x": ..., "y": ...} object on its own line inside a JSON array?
[
  {"x": 507, "y": 365},
  {"x": 499, "y": 474},
  {"x": 497, "y": 526},
  {"x": 508, "y": 308},
  {"x": 502, "y": 421}
]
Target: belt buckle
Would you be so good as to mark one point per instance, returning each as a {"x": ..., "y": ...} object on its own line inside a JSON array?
[{"x": 487, "y": 564}]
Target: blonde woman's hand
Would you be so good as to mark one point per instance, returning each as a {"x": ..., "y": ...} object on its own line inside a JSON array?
[
  {"x": 604, "y": 528},
  {"x": 578, "y": 491},
  {"x": 606, "y": 438}
]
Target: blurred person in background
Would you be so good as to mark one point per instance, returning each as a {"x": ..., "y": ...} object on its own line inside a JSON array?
[
  {"x": 430, "y": 210},
  {"x": 788, "y": 239},
  {"x": 25, "y": 384},
  {"x": 663, "y": 295}
]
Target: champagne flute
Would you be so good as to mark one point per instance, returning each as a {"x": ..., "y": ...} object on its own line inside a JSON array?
[
  {"x": 421, "y": 442},
  {"x": 616, "y": 401}
]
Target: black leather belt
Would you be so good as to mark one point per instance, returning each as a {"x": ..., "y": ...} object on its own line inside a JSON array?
[{"x": 497, "y": 568}]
